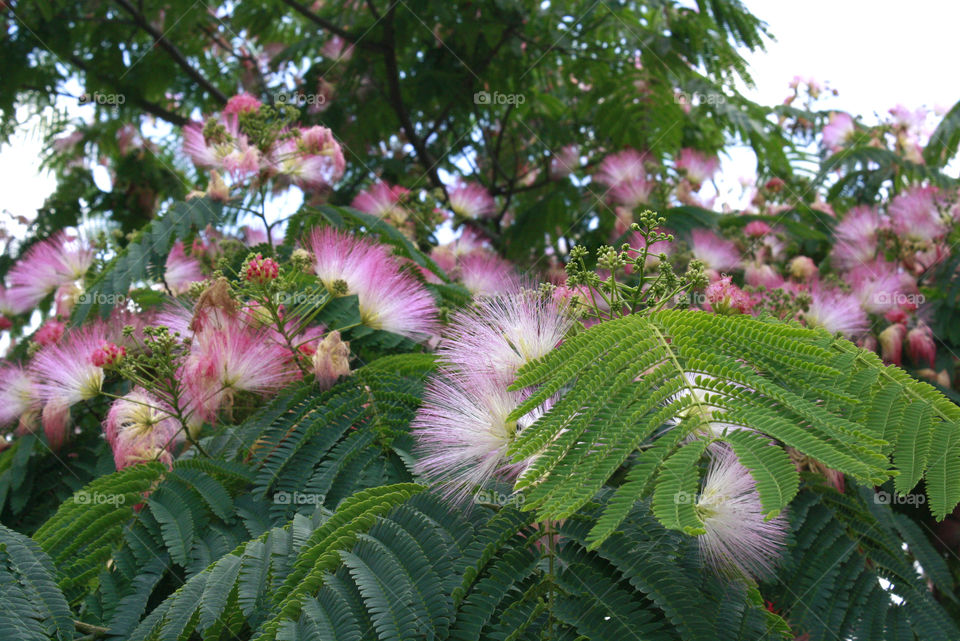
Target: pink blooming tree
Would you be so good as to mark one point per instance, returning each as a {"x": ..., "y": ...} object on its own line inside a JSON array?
[{"x": 441, "y": 320}]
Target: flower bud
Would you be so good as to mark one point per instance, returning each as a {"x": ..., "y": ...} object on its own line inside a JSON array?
[
  {"x": 891, "y": 343},
  {"x": 108, "y": 354},
  {"x": 803, "y": 268},
  {"x": 756, "y": 229},
  {"x": 920, "y": 345},
  {"x": 49, "y": 333},
  {"x": 261, "y": 270},
  {"x": 726, "y": 298},
  {"x": 331, "y": 360}
]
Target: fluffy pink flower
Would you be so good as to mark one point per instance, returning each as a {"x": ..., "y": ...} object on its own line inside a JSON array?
[
  {"x": 492, "y": 340},
  {"x": 565, "y": 162},
  {"x": 486, "y": 274},
  {"x": 878, "y": 286},
  {"x": 47, "y": 265},
  {"x": 49, "y": 333},
  {"x": 761, "y": 275},
  {"x": 696, "y": 165},
  {"x": 718, "y": 254},
  {"x": 66, "y": 371},
  {"x": 836, "y": 312},
  {"x": 470, "y": 200},
  {"x": 233, "y": 358},
  {"x": 139, "y": 427},
  {"x": 838, "y": 131},
  {"x": 108, "y": 354},
  {"x": 738, "y": 538},
  {"x": 312, "y": 160},
  {"x": 389, "y": 299},
  {"x": 625, "y": 175},
  {"x": 330, "y": 360},
  {"x": 447, "y": 256},
  {"x": 181, "y": 270},
  {"x": 19, "y": 401},
  {"x": 381, "y": 200},
  {"x": 231, "y": 152},
  {"x": 756, "y": 229},
  {"x": 915, "y": 215},
  {"x": 241, "y": 103},
  {"x": 803, "y": 268},
  {"x": 856, "y": 237}
]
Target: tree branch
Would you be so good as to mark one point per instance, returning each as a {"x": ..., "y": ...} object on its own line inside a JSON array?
[
  {"x": 332, "y": 27},
  {"x": 172, "y": 51}
]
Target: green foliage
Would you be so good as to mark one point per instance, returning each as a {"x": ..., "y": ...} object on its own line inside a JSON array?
[{"x": 714, "y": 374}]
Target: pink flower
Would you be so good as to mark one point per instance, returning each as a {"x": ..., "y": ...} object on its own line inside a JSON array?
[
  {"x": 181, "y": 270},
  {"x": 312, "y": 159},
  {"x": 723, "y": 297},
  {"x": 66, "y": 371},
  {"x": 486, "y": 274},
  {"x": 381, "y": 200},
  {"x": 241, "y": 103},
  {"x": 229, "y": 151},
  {"x": 389, "y": 299},
  {"x": 261, "y": 270},
  {"x": 139, "y": 427},
  {"x": 46, "y": 266},
  {"x": 738, "y": 537},
  {"x": 625, "y": 175},
  {"x": 878, "y": 286},
  {"x": 718, "y": 254},
  {"x": 915, "y": 215},
  {"x": 471, "y": 201},
  {"x": 762, "y": 275},
  {"x": 838, "y": 131},
  {"x": 49, "y": 333},
  {"x": 336, "y": 48},
  {"x": 564, "y": 162},
  {"x": 233, "y": 358},
  {"x": 108, "y": 354},
  {"x": 920, "y": 345},
  {"x": 756, "y": 229},
  {"x": 856, "y": 237},
  {"x": 19, "y": 400},
  {"x": 696, "y": 166},
  {"x": 836, "y": 312},
  {"x": 492, "y": 340}
]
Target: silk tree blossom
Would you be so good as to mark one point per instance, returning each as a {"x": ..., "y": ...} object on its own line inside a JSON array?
[
  {"x": 47, "y": 265},
  {"x": 738, "y": 538},
  {"x": 856, "y": 237},
  {"x": 309, "y": 158},
  {"x": 499, "y": 335},
  {"x": 625, "y": 175},
  {"x": 471, "y": 201},
  {"x": 837, "y": 312},
  {"x": 447, "y": 256},
  {"x": 565, "y": 162},
  {"x": 486, "y": 274},
  {"x": 915, "y": 215},
  {"x": 879, "y": 286},
  {"x": 389, "y": 299},
  {"x": 723, "y": 297},
  {"x": 920, "y": 345},
  {"x": 19, "y": 400},
  {"x": 65, "y": 371},
  {"x": 838, "y": 131},
  {"x": 697, "y": 166},
  {"x": 330, "y": 360},
  {"x": 138, "y": 428},
  {"x": 232, "y": 358},
  {"x": 891, "y": 343},
  {"x": 50, "y": 332},
  {"x": 223, "y": 146},
  {"x": 718, "y": 254},
  {"x": 181, "y": 271},
  {"x": 381, "y": 200}
]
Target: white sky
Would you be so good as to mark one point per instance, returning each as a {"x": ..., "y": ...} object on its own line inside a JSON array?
[{"x": 876, "y": 53}]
